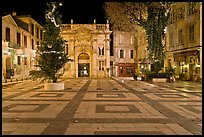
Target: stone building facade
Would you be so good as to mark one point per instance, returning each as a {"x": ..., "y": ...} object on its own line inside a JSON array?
[
  {"x": 88, "y": 45},
  {"x": 129, "y": 51},
  {"x": 20, "y": 37},
  {"x": 184, "y": 40},
  {"x": 123, "y": 61}
]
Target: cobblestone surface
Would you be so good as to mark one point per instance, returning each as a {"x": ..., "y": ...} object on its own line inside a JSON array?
[{"x": 109, "y": 106}]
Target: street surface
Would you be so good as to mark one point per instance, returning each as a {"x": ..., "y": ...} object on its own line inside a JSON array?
[{"x": 108, "y": 106}]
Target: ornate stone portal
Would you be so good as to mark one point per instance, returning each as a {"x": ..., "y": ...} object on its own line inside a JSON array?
[{"x": 89, "y": 46}]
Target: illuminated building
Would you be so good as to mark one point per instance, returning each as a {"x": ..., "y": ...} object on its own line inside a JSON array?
[
  {"x": 20, "y": 37},
  {"x": 184, "y": 40},
  {"x": 88, "y": 45}
]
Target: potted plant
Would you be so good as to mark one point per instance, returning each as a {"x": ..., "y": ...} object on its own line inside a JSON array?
[{"x": 50, "y": 55}]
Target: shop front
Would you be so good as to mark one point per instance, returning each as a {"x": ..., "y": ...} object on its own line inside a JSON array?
[
  {"x": 126, "y": 69},
  {"x": 187, "y": 65}
]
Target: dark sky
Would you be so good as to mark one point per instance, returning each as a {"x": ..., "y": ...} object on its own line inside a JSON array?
[{"x": 82, "y": 12}]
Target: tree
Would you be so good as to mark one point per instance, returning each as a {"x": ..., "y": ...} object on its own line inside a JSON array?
[
  {"x": 151, "y": 16},
  {"x": 50, "y": 55}
]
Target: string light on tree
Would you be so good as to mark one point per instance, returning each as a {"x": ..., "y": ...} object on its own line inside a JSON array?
[{"x": 50, "y": 14}]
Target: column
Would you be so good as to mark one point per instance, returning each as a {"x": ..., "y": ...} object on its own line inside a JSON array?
[
  {"x": 108, "y": 57},
  {"x": 94, "y": 63}
]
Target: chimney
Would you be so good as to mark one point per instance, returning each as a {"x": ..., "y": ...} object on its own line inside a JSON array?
[{"x": 14, "y": 13}]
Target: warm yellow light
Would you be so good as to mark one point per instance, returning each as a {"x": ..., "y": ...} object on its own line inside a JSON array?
[
  {"x": 185, "y": 66},
  {"x": 197, "y": 66}
]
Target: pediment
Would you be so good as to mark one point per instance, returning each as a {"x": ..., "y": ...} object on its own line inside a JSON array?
[
  {"x": 9, "y": 19},
  {"x": 83, "y": 29}
]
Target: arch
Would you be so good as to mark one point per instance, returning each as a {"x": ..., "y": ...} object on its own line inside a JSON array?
[
  {"x": 83, "y": 56},
  {"x": 83, "y": 65}
]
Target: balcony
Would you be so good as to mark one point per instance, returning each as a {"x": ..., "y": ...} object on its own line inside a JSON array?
[
  {"x": 68, "y": 27},
  {"x": 14, "y": 46}
]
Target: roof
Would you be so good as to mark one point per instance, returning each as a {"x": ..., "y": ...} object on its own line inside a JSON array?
[{"x": 21, "y": 24}]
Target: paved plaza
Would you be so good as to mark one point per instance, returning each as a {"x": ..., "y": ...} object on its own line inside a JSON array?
[{"x": 108, "y": 106}]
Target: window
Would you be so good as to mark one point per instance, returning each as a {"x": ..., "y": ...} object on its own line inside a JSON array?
[
  {"x": 37, "y": 43},
  {"x": 30, "y": 61},
  {"x": 131, "y": 40},
  {"x": 121, "y": 70},
  {"x": 192, "y": 8},
  {"x": 121, "y": 38},
  {"x": 101, "y": 65},
  {"x": 191, "y": 33},
  {"x": 180, "y": 37},
  {"x": 25, "y": 41},
  {"x": 121, "y": 53},
  {"x": 25, "y": 60},
  {"x": 129, "y": 70},
  {"x": 37, "y": 32},
  {"x": 111, "y": 63},
  {"x": 101, "y": 51},
  {"x": 41, "y": 34},
  {"x": 32, "y": 29},
  {"x": 171, "y": 18},
  {"x": 131, "y": 54},
  {"x": 18, "y": 38},
  {"x": 66, "y": 49},
  {"x": 171, "y": 39},
  {"x": 32, "y": 44},
  {"x": 174, "y": 16},
  {"x": 8, "y": 34},
  {"x": 19, "y": 60},
  {"x": 181, "y": 13}
]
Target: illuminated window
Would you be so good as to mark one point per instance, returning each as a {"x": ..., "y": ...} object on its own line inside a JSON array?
[
  {"x": 129, "y": 70},
  {"x": 121, "y": 70}
]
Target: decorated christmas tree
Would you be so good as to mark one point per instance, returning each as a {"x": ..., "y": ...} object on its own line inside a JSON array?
[{"x": 50, "y": 54}]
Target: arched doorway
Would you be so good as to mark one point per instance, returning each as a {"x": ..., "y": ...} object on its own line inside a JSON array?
[{"x": 83, "y": 65}]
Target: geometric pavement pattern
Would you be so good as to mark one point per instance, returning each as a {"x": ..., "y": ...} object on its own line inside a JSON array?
[{"x": 106, "y": 106}]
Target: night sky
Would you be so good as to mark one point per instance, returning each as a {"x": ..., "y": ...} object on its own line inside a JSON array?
[{"x": 82, "y": 12}]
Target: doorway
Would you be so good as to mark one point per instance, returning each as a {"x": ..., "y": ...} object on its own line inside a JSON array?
[
  {"x": 83, "y": 69},
  {"x": 83, "y": 65}
]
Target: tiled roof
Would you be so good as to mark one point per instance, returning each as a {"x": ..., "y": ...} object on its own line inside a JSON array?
[{"x": 21, "y": 24}]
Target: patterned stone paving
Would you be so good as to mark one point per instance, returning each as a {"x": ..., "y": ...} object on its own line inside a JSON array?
[{"x": 113, "y": 106}]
